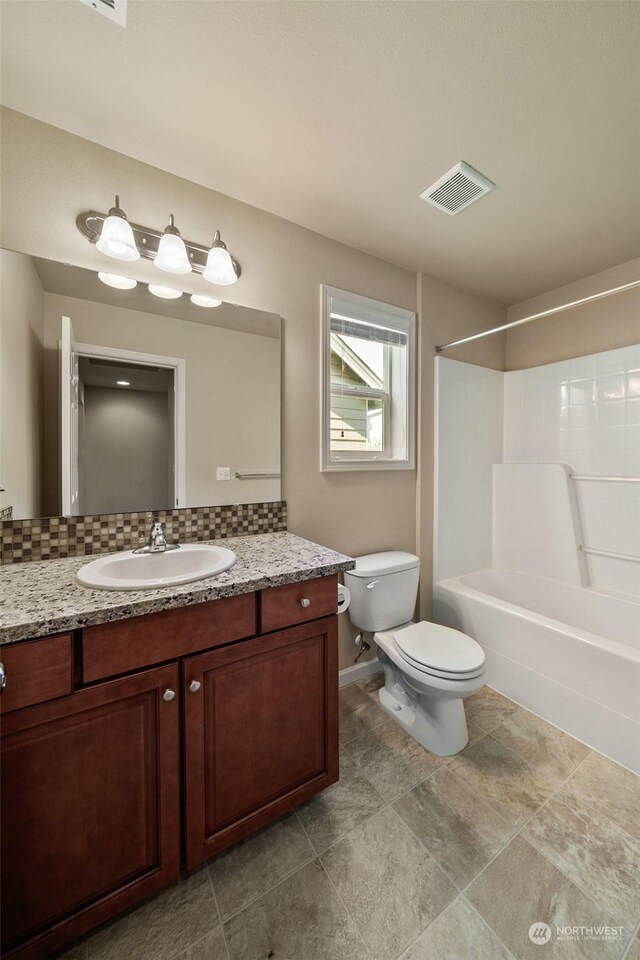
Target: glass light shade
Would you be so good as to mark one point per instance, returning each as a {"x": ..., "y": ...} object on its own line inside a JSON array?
[
  {"x": 120, "y": 283},
  {"x": 166, "y": 293},
  {"x": 201, "y": 301},
  {"x": 117, "y": 241},
  {"x": 219, "y": 268},
  {"x": 123, "y": 383},
  {"x": 172, "y": 256}
]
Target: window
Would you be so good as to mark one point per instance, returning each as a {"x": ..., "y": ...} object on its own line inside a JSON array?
[{"x": 368, "y": 384}]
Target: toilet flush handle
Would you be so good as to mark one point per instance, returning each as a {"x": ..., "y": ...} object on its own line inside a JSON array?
[{"x": 371, "y": 585}]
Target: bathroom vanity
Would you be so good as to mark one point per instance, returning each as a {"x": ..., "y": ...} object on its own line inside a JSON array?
[{"x": 157, "y": 729}]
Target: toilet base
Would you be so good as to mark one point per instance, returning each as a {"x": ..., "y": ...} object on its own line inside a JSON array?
[{"x": 438, "y": 723}]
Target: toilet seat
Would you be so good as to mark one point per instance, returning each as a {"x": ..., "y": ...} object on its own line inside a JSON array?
[{"x": 440, "y": 651}]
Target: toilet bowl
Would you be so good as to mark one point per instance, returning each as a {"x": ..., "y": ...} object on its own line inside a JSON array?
[{"x": 429, "y": 669}]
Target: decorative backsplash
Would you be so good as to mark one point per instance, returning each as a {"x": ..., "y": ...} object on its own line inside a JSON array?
[{"x": 55, "y": 537}]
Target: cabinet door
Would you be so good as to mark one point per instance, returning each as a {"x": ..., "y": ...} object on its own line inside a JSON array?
[
  {"x": 90, "y": 794},
  {"x": 261, "y": 732}
]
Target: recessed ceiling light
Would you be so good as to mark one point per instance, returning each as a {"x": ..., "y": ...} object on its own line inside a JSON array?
[
  {"x": 167, "y": 293},
  {"x": 120, "y": 283},
  {"x": 201, "y": 301},
  {"x": 123, "y": 383}
]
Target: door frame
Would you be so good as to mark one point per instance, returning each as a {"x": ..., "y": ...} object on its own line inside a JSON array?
[
  {"x": 179, "y": 367},
  {"x": 69, "y": 413}
]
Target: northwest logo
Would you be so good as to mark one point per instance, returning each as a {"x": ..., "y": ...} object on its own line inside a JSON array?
[{"x": 539, "y": 933}]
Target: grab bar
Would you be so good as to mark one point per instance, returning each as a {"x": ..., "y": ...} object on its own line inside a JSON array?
[
  {"x": 609, "y": 553},
  {"x": 575, "y": 476},
  {"x": 257, "y": 476}
]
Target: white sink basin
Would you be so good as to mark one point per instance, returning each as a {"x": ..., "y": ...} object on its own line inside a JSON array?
[{"x": 150, "y": 571}]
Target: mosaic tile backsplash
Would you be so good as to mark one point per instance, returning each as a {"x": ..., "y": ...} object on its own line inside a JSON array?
[{"x": 55, "y": 537}]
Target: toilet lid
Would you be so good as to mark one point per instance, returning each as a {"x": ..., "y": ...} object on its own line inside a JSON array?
[{"x": 440, "y": 648}]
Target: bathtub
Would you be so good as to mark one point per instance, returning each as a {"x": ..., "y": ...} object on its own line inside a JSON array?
[{"x": 567, "y": 653}]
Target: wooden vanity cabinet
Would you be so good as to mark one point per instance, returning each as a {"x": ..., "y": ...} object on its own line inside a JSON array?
[
  {"x": 260, "y": 732},
  {"x": 138, "y": 746},
  {"x": 89, "y": 808}
]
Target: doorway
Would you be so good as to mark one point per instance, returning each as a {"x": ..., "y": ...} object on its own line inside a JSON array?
[
  {"x": 126, "y": 438},
  {"x": 123, "y": 429}
]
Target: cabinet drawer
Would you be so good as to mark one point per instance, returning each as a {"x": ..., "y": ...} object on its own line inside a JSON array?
[
  {"x": 109, "y": 649},
  {"x": 36, "y": 671},
  {"x": 285, "y": 606}
]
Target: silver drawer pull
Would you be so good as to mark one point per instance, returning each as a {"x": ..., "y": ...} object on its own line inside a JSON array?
[
  {"x": 169, "y": 695},
  {"x": 194, "y": 686},
  {"x": 305, "y": 602},
  {"x": 3, "y": 677}
]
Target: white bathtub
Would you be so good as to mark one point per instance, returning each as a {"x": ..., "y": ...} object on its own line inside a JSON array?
[{"x": 569, "y": 654}]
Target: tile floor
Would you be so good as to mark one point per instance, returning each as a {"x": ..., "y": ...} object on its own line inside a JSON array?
[{"x": 415, "y": 857}]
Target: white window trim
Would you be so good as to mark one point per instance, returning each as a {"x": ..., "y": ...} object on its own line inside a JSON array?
[{"x": 373, "y": 311}]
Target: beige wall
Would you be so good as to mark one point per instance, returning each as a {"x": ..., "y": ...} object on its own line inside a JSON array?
[
  {"x": 446, "y": 314},
  {"x": 49, "y": 177},
  {"x": 21, "y": 403},
  {"x": 601, "y": 325},
  {"x": 231, "y": 378}
]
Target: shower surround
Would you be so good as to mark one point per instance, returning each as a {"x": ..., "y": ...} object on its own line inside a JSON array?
[{"x": 537, "y": 544}]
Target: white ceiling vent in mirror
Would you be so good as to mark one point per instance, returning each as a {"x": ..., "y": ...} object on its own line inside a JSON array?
[
  {"x": 115, "y": 10},
  {"x": 457, "y": 189}
]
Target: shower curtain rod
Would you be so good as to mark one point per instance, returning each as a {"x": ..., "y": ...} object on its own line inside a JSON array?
[{"x": 537, "y": 316}]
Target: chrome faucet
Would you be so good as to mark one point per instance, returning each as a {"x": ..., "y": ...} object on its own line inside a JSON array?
[{"x": 157, "y": 542}]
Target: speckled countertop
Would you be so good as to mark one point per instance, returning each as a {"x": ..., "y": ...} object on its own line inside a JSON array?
[{"x": 44, "y": 597}]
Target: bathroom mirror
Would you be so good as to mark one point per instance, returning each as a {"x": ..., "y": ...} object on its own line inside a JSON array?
[{"x": 114, "y": 400}]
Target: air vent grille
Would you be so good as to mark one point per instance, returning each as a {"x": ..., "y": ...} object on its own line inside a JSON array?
[
  {"x": 115, "y": 10},
  {"x": 457, "y": 189}
]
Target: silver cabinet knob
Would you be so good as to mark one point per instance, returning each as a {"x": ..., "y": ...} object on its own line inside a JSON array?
[
  {"x": 169, "y": 695},
  {"x": 305, "y": 602},
  {"x": 3, "y": 677},
  {"x": 194, "y": 686}
]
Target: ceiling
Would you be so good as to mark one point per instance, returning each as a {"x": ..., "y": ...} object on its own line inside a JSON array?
[
  {"x": 337, "y": 115},
  {"x": 106, "y": 373}
]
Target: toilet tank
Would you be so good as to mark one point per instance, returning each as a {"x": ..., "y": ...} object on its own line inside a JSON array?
[{"x": 384, "y": 589}]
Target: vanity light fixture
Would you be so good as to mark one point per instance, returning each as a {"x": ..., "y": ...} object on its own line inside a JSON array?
[
  {"x": 219, "y": 268},
  {"x": 201, "y": 301},
  {"x": 123, "y": 383},
  {"x": 172, "y": 256},
  {"x": 116, "y": 236},
  {"x": 120, "y": 283},
  {"x": 166, "y": 293}
]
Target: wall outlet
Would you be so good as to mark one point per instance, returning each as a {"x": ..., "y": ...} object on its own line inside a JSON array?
[{"x": 223, "y": 473}]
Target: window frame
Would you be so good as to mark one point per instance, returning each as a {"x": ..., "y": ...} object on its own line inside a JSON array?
[{"x": 334, "y": 300}]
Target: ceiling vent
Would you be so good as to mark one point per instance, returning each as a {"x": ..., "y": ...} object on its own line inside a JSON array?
[
  {"x": 459, "y": 188},
  {"x": 115, "y": 10}
]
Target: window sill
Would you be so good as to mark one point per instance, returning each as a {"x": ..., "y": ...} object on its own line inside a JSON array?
[{"x": 344, "y": 466}]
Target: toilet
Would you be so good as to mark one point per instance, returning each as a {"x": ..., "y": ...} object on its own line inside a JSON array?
[{"x": 428, "y": 669}]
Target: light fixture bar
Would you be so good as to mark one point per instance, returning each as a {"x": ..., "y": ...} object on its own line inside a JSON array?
[
  {"x": 538, "y": 316},
  {"x": 147, "y": 240}
]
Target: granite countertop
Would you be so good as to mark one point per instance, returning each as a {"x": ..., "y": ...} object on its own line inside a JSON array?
[{"x": 43, "y": 597}]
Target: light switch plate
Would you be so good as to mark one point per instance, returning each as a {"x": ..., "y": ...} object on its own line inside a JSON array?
[{"x": 223, "y": 473}]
